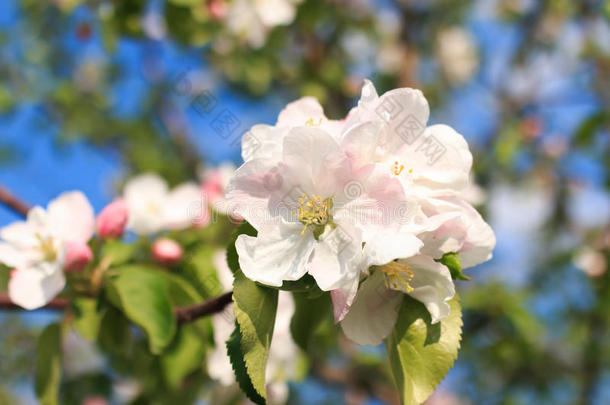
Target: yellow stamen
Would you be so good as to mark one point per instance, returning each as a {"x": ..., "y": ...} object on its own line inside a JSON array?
[
  {"x": 311, "y": 123},
  {"x": 313, "y": 211},
  {"x": 48, "y": 248},
  {"x": 397, "y": 168},
  {"x": 398, "y": 276}
]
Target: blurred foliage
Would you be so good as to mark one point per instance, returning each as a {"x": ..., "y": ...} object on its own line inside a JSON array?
[{"x": 512, "y": 353}]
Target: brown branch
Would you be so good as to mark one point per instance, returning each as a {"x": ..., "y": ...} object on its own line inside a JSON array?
[
  {"x": 13, "y": 203},
  {"x": 183, "y": 314},
  {"x": 213, "y": 306}
]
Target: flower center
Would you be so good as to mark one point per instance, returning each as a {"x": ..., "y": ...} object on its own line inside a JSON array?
[
  {"x": 310, "y": 122},
  {"x": 315, "y": 211},
  {"x": 47, "y": 246},
  {"x": 398, "y": 276},
  {"x": 396, "y": 168}
]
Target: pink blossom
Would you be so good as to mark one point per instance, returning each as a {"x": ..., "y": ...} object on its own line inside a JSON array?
[{"x": 112, "y": 220}]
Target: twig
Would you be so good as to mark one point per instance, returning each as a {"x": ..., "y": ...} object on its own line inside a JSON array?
[
  {"x": 213, "y": 306},
  {"x": 183, "y": 314},
  {"x": 13, "y": 203}
]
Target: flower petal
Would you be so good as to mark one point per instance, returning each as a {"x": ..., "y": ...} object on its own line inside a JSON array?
[
  {"x": 34, "y": 287},
  {"x": 275, "y": 255},
  {"x": 184, "y": 206},
  {"x": 144, "y": 196},
  {"x": 373, "y": 313},
  {"x": 432, "y": 285},
  {"x": 71, "y": 217},
  {"x": 12, "y": 257}
]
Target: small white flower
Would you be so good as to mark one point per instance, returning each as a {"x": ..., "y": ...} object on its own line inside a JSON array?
[
  {"x": 153, "y": 207},
  {"x": 457, "y": 54},
  {"x": 36, "y": 248}
]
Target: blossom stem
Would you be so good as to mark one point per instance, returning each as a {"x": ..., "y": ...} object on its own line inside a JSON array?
[
  {"x": 183, "y": 314},
  {"x": 13, "y": 203}
]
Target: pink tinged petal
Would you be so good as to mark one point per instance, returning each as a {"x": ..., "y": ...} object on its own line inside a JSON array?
[
  {"x": 440, "y": 158},
  {"x": 12, "y": 257},
  {"x": 34, "y": 287},
  {"x": 78, "y": 256},
  {"x": 300, "y": 111},
  {"x": 432, "y": 285},
  {"x": 343, "y": 298},
  {"x": 373, "y": 313},
  {"x": 167, "y": 251},
  {"x": 272, "y": 258},
  {"x": 112, "y": 220},
  {"x": 71, "y": 217},
  {"x": 262, "y": 142},
  {"x": 360, "y": 143}
]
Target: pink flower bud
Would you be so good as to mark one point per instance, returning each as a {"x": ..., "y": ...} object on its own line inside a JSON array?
[
  {"x": 112, "y": 220},
  {"x": 167, "y": 251},
  {"x": 217, "y": 9},
  {"x": 95, "y": 401},
  {"x": 78, "y": 255}
]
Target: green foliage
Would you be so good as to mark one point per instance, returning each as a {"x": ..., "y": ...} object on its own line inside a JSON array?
[
  {"x": 48, "y": 365},
  {"x": 255, "y": 308},
  {"x": 239, "y": 366},
  {"x": 143, "y": 295},
  {"x": 183, "y": 357},
  {"x": 87, "y": 318},
  {"x": 308, "y": 315},
  {"x": 199, "y": 267},
  {"x": 421, "y": 353},
  {"x": 452, "y": 261}
]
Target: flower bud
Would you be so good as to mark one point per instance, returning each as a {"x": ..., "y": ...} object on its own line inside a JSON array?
[
  {"x": 78, "y": 255},
  {"x": 112, "y": 220},
  {"x": 95, "y": 401},
  {"x": 167, "y": 251},
  {"x": 217, "y": 9}
]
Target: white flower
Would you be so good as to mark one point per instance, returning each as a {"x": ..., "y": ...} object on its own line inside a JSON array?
[
  {"x": 375, "y": 309},
  {"x": 281, "y": 364},
  {"x": 153, "y": 207},
  {"x": 252, "y": 19},
  {"x": 457, "y": 54},
  {"x": 36, "y": 248},
  {"x": 312, "y": 211}
]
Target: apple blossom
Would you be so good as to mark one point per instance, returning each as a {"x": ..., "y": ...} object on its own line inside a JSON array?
[
  {"x": 38, "y": 248},
  {"x": 78, "y": 255},
  {"x": 312, "y": 211},
  {"x": 214, "y": 184},
  {"x": 112, "y": 220},
  {"x": 153, "y": 207}
]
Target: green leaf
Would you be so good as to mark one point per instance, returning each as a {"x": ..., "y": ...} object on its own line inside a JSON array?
[
  {"x": 87, "y": 318},
  {"x": 143, "y": 295},
  {"x": 239, "y": 366},
  {"x": 48, "y": 365},
  {"x": 199, "y": 268},
  {"x": 255, "y": 308},
  {"x": 117, "y": 252},
  {"x": 420, "y": 353},
  {"x": 308, "y": 315},
  {"x": 452, "y": 261},
  {"x": 232, "y": 257},
  {"x": 183, "y": 357},
  {"x": 115, "y": 333}
]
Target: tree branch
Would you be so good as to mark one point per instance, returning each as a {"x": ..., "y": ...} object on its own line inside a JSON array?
[
  {"x": 183, "y": 314},
  {"x": 13, "y": 203}
]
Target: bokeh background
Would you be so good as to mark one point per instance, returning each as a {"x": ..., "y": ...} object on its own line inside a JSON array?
[{"x": 93, "y": 91}]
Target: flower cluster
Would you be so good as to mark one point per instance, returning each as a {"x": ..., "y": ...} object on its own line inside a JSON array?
[
  {"x": 366, "y": 206},
  {"x": 58, "y": 240}
]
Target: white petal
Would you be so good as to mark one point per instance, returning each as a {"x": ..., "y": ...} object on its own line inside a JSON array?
[
  {"x": 184, "y": 206},
  {"x": 272, "y": 257},
  {"x": 12, "y": 257},
  {"x": 432, "y": 285},
  {"x": 336, "y": 258},
  {"x": 71, "y": 217},
  {"x": 343, "y": 298},
  {"x": 373, "y": 313},
  {"x": 262, "y": 142},
  {"x": 360, "y": 143},
  {"x": 22, "y": 234},
  {"x": 439, "y": 158},
  {"x": 385, "y": 247},
  {"x": 35, "y": 287},
  {"x": 275, "y": 12},
  {"x": 145, "y": 195}
]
